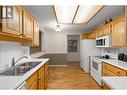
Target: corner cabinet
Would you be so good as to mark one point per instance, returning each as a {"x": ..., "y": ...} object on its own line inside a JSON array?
[
  {"x": 119, "y": 32},
  {"x": 27, "y": 25},
  {"x": 13, "y": 26}
]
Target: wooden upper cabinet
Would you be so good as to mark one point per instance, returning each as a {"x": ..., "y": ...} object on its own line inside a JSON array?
[
  {"x": 100, "y": 32},
  {"x": 119, "y": 32},
  {"x": 27, "y": 25},
  {"x": 36, "y": 34},
  {"x": 14, "y": 26},
  {"x": 108, "y": 29}
]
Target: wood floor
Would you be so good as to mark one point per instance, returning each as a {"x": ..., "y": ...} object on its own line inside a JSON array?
[{"x": 70, "y": 77}]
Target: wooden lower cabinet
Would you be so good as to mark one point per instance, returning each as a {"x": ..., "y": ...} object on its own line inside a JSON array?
[
  {"x": 108, "y": 73},
  {"x": 32, "y": 81},
  {"x": 38, "y": 80},
  {"x": 46, "y": 75},
  {"x": 110, "y": 70},
  {"x": 41, "y": 78},
  {"x": 41, "y": 82},
  {"x": 34, "y": 86},
  {"x": 105, "y": 87}
]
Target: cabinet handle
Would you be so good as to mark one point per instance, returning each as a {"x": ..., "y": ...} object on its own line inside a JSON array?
[{"x": 118, "y": 72}]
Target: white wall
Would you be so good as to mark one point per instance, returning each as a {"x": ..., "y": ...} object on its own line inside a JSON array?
[
  {"x": 74, "y": 56},
  {"x": 55, "y": 42},
  {"x": 8, "y": 50}
]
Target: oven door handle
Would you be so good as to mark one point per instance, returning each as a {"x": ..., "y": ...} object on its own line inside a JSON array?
[{"x": 97, "y": 61}]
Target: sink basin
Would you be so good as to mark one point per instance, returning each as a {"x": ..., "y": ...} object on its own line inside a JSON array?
[
  {"x": 30, "y": 64},
  {"x": 19, "y": 70}
]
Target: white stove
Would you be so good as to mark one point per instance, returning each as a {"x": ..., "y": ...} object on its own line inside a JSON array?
[{"x": 96, "y": 68}]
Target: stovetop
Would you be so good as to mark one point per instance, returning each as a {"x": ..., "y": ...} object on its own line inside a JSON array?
[{"x": 101, "y": 57}]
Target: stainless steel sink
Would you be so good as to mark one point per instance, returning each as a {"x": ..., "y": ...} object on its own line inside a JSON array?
[
  {"x": 30, "y": 64},
  {"x": 19, "y": 70}
]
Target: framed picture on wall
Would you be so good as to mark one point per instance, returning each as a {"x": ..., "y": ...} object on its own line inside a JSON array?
[{"x": 72, "y": 45}]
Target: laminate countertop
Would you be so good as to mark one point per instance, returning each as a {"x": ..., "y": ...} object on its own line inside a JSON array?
[
  {"x": 13, "y": 82},
  {"x": 117, "y": 83},
  {"x": 117, "y": 63}
]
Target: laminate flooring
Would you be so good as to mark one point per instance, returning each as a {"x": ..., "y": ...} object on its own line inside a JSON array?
[{"x": 70, "y": 77}]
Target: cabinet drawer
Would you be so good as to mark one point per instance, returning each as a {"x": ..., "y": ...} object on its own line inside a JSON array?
[
  {"x": 108, "y": 73},
  {"x": 31, "y": 79},
  {"x": 41, "y": 71},
  {"x": 117, "y": 71}
]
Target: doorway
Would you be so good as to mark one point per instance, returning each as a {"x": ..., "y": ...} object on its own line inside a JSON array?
[{"x": 73, "y": 48}]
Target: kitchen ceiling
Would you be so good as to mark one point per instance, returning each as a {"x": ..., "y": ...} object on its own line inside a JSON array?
[{"x": 47, "y": 19}]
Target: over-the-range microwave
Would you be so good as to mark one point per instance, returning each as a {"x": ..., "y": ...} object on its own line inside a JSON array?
[{"x": 105, "y": 41}]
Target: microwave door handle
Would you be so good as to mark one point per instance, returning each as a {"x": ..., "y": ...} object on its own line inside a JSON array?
[{"x": 104, "y": 42}]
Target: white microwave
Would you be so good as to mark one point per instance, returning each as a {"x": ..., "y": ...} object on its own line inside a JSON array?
[{"x": 105, "y": 41}]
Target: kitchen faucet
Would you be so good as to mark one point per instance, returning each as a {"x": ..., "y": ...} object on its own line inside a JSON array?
[{"x": 13, "y": 62}]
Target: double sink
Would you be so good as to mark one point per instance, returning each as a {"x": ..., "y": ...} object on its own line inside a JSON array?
[{"x": 19, "y": 70}]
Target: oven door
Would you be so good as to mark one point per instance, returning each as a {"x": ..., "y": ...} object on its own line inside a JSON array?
[{"x": 96, "y": 66}]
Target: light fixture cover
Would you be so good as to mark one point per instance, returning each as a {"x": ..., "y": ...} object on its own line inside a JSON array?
[
  {"x": 65, "y": 14},
  {"x": 85, "y": 13},
  {"x": 58, "y": 28}
]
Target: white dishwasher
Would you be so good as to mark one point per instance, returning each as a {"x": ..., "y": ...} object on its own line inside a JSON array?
[{"x": 22, "y": 86}]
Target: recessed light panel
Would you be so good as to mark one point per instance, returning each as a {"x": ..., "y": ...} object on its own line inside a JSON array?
[
  {"x": 85, "y": 13},
  {"x": 65, "y": 14}
]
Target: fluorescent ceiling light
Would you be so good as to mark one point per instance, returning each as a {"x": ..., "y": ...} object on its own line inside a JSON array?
[
  {"x": 85, "y": 13},
  {"x": 65, "y": 14}
]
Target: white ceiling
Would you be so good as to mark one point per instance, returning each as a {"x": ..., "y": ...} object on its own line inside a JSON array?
[{"x": 45, "y": 16}]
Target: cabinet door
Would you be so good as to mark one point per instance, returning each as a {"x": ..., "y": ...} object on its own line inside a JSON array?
[
  {"x": 41, "y": 82},
  {"x": 105, "y": 87},
  {"x": 14, "y": 26},
  {"x": 28, "y": 25},
  {"x": 107, "y": 29},
  {"x": 46, "y": 75},
  {"x": 32, "y": 79},
  {"x": 119, "y": 33},
  {"x": 36, "y": 34},
  {"x": 33, "y": 86},
  {"x": 99, "y": 32},
  {"x": 46, "y": 78}
]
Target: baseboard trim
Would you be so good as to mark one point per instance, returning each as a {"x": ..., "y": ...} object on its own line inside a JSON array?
[{"x": 57, "y": 65}]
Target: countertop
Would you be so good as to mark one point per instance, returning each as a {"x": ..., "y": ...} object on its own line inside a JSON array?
[
  {"x": 117, "y": 63},
  {"x": 13, "y": 82},
  {"x": 116, "y": 83}
]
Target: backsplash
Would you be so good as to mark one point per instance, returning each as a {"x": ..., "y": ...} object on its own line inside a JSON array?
[
  {"x": 8, "y": 50},
  {"x": 113, "y": 52}
]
